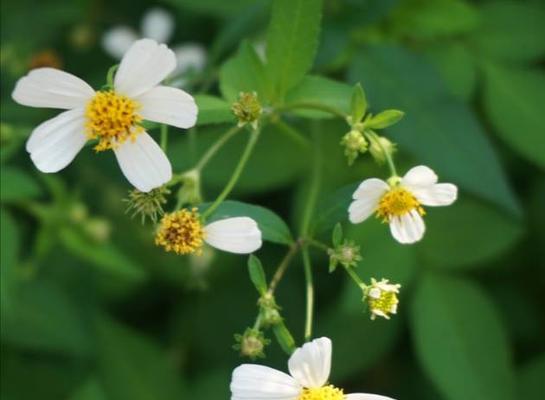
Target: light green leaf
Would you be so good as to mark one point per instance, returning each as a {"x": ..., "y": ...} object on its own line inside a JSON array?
[
  {"x": 512, "y": 31},
  {"x": 292, "y": 40},
  {"x": 17, "y": 185},
  {"x": 90, "y": 390},
  {"x": 384, "y": 119},
  {"x": 318, "y": 90},
  {"x": 213, "y": 110},
  {"x": 284, "y": 337},
  {"x": 437, "y": 129},
  {"x": 257, "y": 274},
  {"x": 514, "y": 101},
  {"x": 460, "y": 340},
  {"x": 243, "y": 73},
  {"x": 272, "y": 227},
  {"x": 358, "y": 103},
  {"x": 131, "y": 366},
  {"x": 451, "y": 233}
]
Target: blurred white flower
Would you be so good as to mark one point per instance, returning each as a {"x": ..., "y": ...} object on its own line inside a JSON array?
[
  {"x": 309, "y": 368},
  {"x": 157, "y": 24},
  {"x": 112, "y": 117},
  {"x": 400, "y": 202}
]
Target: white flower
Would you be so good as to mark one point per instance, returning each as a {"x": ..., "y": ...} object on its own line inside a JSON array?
[
  {"x": 113, "y": 117},
  {"x": 157, "y": 24},
  {"x": 382, "y": 298},
  {"x": 400, "y": 202},
  {"x": 182, "y": 232},
  {"x": 309, "y": 368}
]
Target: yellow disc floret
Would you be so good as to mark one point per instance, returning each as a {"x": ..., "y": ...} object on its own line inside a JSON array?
[
  {"x": 328, "y": 392},
  {"x": 181, "y": 232},
  {"x": 112, "y": 119},
  {"x": 382, "y": 298},
  {"x": 396, "y": 202}
]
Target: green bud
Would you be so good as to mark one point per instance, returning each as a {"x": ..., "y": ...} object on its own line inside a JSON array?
[
  {"x": 354, "y": 143},
  {"x": 147, "y": 205},
  {"x": 251, "y": 343},
  {"x": 384, "y": 119},
  {"x": 347, "y": 254},
  {"x": 98, "y": 229},
  {"x": 247, "y": 109},
  {"x": 270, "y": 314},
  {"x": 381, "y": 148}
]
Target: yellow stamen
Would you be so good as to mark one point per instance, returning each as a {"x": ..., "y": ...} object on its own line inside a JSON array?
[
  {"x": 328, "y": 392},
  {"x": 112, "y": 119},
  {"x": 396, "y": 202},
  {"x": 181, "y": 232}
]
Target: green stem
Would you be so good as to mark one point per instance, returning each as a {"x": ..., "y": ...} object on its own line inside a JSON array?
[
  {"x": 212, "y": 150},
  {"x": 236, "y": 173},
  {"x": 164, "y": 137},
  {"x": 317, "y": 244},
  {"x": 283, "y": 266},
  {"x": 293, "y": 134},
  {"x": 309, "y": 294},
  {"x": 313, "y": 106},
  {"x": 110, "y": 75},
  {"x": 354, "y": 276}
]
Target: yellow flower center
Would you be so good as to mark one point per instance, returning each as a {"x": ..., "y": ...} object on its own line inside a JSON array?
[
  {"x": 112, "y": 119},
  {"x": 396, "y": 202},
  {"x": 328, "y": 392},
  {"x": 181, "y": 232},
  {"x": 385, "y": 304}
]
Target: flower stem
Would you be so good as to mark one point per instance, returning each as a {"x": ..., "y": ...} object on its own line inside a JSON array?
[
  {"x": 283, "y": 266},
  {"x": 216, "y": 146},
  {"x": 313, "y": 106},
  {"x": 354, "y": 276},
  {"x": 317, "y": 244},
  {"x": 236, "y": 173},
  {"x": 110, "y": 76},
  {"x": 310, "y": 294},
  {"x": 164, "y": 137}
]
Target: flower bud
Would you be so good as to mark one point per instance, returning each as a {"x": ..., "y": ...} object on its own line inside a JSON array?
[
  {"x": 247, "y": 109},
  {"x": 382, "y": 149},
  {"x": 147, "y": 205},
  {"x": 347, "y": 254},
  {"x": 354, "y": 143},
  {"x": 251, "y": 343}
]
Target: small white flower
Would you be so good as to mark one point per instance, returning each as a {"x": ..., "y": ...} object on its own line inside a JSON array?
[
  {"x": 382, "y": 298},
  {"x": 309, "y": 368},
  {"x": 113, "y": 117},
  {"x": 157, "y": 24},
  {"x": 400, "y": 202},
  {"x": 182, "y": 232}
]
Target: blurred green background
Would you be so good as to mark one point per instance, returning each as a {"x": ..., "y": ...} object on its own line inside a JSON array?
[{"x": 92, "y": 310}]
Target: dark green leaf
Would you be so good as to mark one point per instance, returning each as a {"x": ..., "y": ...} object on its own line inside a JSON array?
[
  {"x": 273, "y": 228},
  {"x": 90, "y": 390},
  {"x": 514, "y": 100},
  {"x": 531, "y": 385},
  {"x": 292, "y": 40},
  {"x": 460, "y": 340}
]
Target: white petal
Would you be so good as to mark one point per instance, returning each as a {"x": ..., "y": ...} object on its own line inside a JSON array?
[
  {"x": 144, "y": 163},
  {"x": 239, "y": 235},
  {"x": 408, "y": 228},
  {"x": 54, "y": 143},
  {"x": 419, "y": 176},
  {"x": 158, "y": 24},
  {"x": 257, "y": 382},
  {"x": 440, "y": 194},
  {"x": 143, "y": 66},
  {"x": 168, "y": 105},
  {"x": 118, "y": 40},
  {"x": 52, "y": 88},
  {"x": 366, "y": 396},
  {"x": 367, "y": 197},
  {"x": 370, "y": 188},
  {"x": 310, "y": 365},
  {"x": 190, "y": 56}
]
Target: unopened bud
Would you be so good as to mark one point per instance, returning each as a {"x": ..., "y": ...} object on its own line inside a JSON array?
[
  {"x": 381, "y": 149},
  {"x": 247, "y": 109},
  {"x": 251, "y": 343},
  {"x": 354, "y": 143}
]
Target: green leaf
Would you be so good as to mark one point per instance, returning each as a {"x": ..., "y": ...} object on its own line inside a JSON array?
[
  {"x": 17, "y": 185},
  {"x": 530, "y": 379},
  {"x": 131, "y": 366},
  {"x": 272, "y": 227},
  {"x": 10, "y": 245},
  {"x": 257, "y": 274},
  {"x": 43, "y": 318},
  {"x": 358, "y": 103},
  {"x": 438, "y": 130},
  {"x": 333, "y": 208},
  {"x": 337, "y": 235},
  {"x": 292, "y": 40},
  {"x": 243, "y": 73},
  {"x": 451, "y": 233},
  {"x": 460, "y": 340},
  {"x": 512, "y": 31},
  {"x": 284, "y": 337},
  {"x": 90, "y": 390},
  {"x": 513, "y": 100},
  {"x": 315, "y": 89},
  {"x": 385, "y": 119},
  {"x": 213, "y": 110}
]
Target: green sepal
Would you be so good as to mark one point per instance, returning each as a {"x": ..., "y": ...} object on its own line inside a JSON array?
[{"x": 257, "y": 274}]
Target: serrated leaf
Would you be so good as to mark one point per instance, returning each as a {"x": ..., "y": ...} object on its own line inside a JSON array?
[
  {"x": 513, "y": 100},
  {"x": 213, "y": 110},
  {"x": 292, "y": 40},
  {"x": 272, "y": 227},
  {"x": 257, "y": 274},
  {"x": 460, "y": 340}
]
